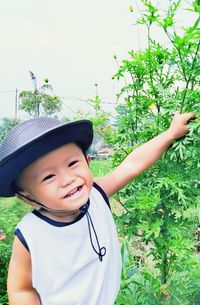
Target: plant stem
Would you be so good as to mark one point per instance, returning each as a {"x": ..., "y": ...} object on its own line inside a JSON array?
[
  {"x": 123, "y": 206},
  {"x": 182, "y": 69},
  {"x": 189, "y": 78},
  {"x": 164, "y": 268},
  {"x": 149, "y": 53},
  {"x": 118, "y": 65}
]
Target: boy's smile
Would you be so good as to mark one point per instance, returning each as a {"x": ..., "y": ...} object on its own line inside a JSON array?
[{"x": 60, "y": 180}]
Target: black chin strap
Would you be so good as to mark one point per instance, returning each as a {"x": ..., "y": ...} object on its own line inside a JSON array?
[
  {"x": 42, "y": 205},
  {"x": 101, "y": 251}
]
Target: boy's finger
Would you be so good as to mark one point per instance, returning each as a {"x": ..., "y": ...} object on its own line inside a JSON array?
[
  {"x": 187, "y": 116},
  {"x": 191, "y": 116}
]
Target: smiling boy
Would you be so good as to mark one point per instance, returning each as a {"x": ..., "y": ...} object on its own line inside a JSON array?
[
  {"x": 66, "y": 251},
  {"x": 61, "y": 178}
]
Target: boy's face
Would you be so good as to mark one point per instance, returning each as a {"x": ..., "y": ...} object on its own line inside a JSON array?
[{"x": 60, "y": 180}]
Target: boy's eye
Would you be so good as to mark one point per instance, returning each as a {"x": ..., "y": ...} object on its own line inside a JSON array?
[
  {"x": 72, "y": 163},
  {"x": 48, "y": 177}
]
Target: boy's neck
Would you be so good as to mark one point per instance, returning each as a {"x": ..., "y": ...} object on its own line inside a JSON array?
[{"x": 62, "y": 217}]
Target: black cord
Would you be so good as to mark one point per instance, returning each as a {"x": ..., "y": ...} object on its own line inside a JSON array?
[{"x": 101, "y": 250}]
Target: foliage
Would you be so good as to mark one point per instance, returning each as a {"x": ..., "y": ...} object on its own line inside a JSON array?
[
  {"x": 99, "y": 168},
  {"x": 98, "y": 117},
  {"x": 158, "y": 82},
  {"x": 11, "y": 211},
  {"x": 38, "y": 102},
  {"x": 6, "y": 125},
  {"x": 141, "y": 284}
]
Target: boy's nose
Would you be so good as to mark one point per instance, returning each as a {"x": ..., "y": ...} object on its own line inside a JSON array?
[{"x": 67, "y": 179}]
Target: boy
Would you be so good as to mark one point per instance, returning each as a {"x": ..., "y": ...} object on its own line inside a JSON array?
[{"x": 66, "y": 251}]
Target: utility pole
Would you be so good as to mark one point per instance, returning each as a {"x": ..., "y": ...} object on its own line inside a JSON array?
[{"x": 16, "y": 102}]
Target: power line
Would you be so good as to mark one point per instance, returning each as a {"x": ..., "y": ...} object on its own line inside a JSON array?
[
  {"x": 66, "y": 100},
  {"x": 69, "y": 108},
  {"x": 68, "y": 97},
  {"x": 76, "y": 99},
  {"x": 7, "y": 91}
]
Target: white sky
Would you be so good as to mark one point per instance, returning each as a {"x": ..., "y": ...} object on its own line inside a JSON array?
[{"x": 70, "y": 42}]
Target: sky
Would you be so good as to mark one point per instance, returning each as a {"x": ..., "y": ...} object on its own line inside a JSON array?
[{"x": 70, "y": 42}]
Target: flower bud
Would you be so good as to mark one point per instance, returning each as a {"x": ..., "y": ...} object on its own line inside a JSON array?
[{"x": 131, "y": 8}]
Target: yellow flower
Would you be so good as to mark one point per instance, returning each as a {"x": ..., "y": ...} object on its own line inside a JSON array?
[
  {"x": 131, "y": 8},
  {"x": 152, "y": 107}
]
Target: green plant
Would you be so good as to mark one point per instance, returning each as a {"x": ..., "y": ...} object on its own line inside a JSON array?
[
  {"x": 38, "y": 102},
  {"x": 6, "y": 125},
  {"x": 158, "y": 82},
  {"x": 99, "y": 167},
  {"x": 142, "y": 285},
  {"x": 11, "y": 211}
]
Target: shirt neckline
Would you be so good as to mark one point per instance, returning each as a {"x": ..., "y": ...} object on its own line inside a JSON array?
[{"x": 57, "y": 223}]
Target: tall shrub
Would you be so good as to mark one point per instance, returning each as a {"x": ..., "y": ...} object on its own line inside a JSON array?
[{"x": 161, "y": 206}]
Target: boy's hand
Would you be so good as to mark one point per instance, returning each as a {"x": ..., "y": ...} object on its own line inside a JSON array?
[
  {"x": 179, "y": 125},
  {"x": 145, "y": 155}
]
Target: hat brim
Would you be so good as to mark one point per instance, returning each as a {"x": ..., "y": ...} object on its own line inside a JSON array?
[{"x": 79, "y": 131}]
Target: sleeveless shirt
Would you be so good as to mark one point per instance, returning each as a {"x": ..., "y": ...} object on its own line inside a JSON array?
[{"x": 65, "y": 268}]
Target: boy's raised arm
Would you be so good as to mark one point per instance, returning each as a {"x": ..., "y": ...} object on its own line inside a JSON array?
[
  {"x": 144, "y": 156},
  {"x": 20, "y": 290}
]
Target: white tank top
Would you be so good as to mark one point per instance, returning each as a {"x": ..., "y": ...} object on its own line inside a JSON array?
[{"x": 66, "y": 270}]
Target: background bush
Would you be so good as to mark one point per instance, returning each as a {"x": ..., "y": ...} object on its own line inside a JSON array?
[{"x": 11, "y": 211}]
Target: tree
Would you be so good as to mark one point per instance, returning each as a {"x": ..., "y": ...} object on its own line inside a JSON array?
[
  {"x": 6, "y": 125},
  {"x": 38, "y": 102}
]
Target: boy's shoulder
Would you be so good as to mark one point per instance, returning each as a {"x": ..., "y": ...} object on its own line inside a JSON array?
[
  {"x": 100, "y": 191},
  {"x": 26, "y": 219}
]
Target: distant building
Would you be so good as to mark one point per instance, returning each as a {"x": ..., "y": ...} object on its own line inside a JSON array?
[{"x": 104, "y": 153}]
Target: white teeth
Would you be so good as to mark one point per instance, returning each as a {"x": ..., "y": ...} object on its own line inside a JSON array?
[{"x": 73, "y": 192}]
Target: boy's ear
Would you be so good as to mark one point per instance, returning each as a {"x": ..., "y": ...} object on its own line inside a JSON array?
[
  {"x": 24, "y": 196},
  {"x": 88, "y": 157}
]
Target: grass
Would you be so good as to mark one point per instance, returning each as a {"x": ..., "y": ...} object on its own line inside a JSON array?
[{"x": 100, "y": 167}]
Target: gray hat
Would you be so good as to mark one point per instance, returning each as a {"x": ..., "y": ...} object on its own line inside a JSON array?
[{"x": 34, "y": 138}]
